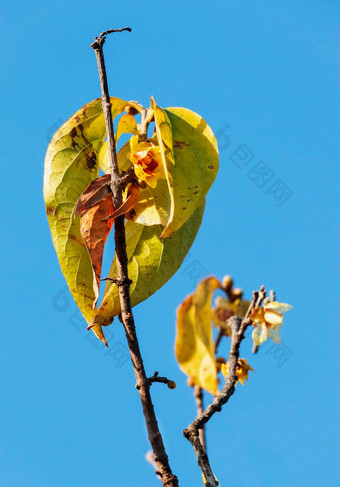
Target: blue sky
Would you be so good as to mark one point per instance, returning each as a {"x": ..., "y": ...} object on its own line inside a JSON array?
[{"x": 265, "y": 75}]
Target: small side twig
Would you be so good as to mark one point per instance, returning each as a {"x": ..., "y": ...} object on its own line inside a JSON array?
[
  {"x": 191, "y": 433},
  {"x": 127, "y": 177},
  {"x": 162, "y": 380}
]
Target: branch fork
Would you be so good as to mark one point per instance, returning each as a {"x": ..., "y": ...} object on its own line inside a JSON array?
[{"x": 191, "y": 433}]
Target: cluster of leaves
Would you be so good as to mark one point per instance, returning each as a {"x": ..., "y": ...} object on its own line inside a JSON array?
[
  {"x": 195, "y": 348},
  {"x": 168, "y": 176}
]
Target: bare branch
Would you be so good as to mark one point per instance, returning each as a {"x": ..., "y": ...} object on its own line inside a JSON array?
[
  {"x": 198, "y": 394},
  {"x": 191, "y": 433},
  {"x": 123, "y": 282}
]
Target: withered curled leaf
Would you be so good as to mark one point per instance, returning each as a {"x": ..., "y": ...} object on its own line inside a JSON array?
[
  {"x": 98, "y": 189},
  {"x": 94, "y": 229},
  {"x": 129, "y": 203}
]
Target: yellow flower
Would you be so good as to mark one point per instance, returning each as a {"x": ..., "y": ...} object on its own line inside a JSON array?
[
  {"x": 268, "y": 320},
  {"x": 147, "y": 161},
  {"x": 242, "y": 369},
  {"x": 224, "y": 310}
]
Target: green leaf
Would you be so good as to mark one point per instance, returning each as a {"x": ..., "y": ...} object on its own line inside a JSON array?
[
  {"x": 196, "y": 161},
  {"x": 151, "y": 262},
  {"x": 71, "y": 163},
  {"x": 190, "y": 159}
]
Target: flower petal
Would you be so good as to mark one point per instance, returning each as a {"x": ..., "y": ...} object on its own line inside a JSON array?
[
  {"x": 260, "y": 334},
  {"x": 272, "y": 318},
  {"x": 278, "y": 307},
  {"x": 134, "y": 143},
  {"x": 275, "y": 335}
]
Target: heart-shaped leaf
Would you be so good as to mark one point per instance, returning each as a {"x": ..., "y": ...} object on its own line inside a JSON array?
[{"x": 71, "y": 163}]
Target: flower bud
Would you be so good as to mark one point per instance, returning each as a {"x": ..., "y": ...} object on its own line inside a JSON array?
[
  {"x": 131, "y": 110},
  {"x": 227, "y": 283},
  {"x": 172, "y": 384},
  {"x": 237, "y": 293}
]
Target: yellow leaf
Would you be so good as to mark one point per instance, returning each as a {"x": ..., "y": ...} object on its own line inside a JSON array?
[
  {"x": 126, "y": 125},
  {"x": 190, "y": 159},
  {"x": 196, "y": 161},
  {"x": 189, "y": 154},
  {"x": 194, "y": 347},
  {"x": 71, "y": 163}
]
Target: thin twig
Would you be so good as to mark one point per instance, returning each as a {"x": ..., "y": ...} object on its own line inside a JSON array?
[
  {"x": 272, "y": 298},
  {"x": 198, "y": 394},
  {"x": 162, "y": 380},
  {"x": 111, "y": 31},
  {"x": 191, "y": 433},
  {"x": 123, "y": 282}
]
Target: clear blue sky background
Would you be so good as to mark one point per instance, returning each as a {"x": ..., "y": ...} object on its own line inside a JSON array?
[{"x": 265, "y": 75}]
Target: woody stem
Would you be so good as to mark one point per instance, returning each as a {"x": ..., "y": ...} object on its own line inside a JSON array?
[
  {"x": 123, "y": 283},
  {"x": 192, "y": 432}
]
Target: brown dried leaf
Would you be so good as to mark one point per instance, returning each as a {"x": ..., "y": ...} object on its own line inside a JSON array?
[
  {"x": 97, "y": 190},
  {"x": 129, "y": 203},
  {"x": 94, "y": 231}
]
